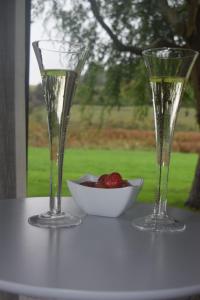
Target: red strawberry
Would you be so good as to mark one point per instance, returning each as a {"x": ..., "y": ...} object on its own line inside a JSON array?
[{"x": 114, "y": 180}]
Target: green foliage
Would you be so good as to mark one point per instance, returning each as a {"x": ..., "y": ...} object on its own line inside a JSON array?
[
  {"x": 188, "y": 96},
  {"x": 113, "y": 85},
  {"x": 35, "y": 96},
  {"x": 137, "y": 90},
  {"x": 114, "y": 77},
  {"x": 89, "y": 91}
]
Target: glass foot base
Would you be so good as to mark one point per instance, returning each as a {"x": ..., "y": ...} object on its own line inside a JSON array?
[
  {"x": 158, "y": 223},
  {"x": 49, "y": 220}
]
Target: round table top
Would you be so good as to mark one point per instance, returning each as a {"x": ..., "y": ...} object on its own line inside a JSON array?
[{"x": 103, "y": 258}]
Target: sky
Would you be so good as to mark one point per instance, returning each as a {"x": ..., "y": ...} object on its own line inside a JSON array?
[{"x": 37, "y": 33}]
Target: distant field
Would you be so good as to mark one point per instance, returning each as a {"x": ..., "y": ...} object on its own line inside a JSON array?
[
  {"x": 127, "y": 128},
  {"x": 131, "y": 164},
  {"x": 125, "y": 117}
]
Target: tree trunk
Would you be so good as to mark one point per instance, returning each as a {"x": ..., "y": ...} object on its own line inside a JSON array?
[
  {"x": 193, "y": 200},
  {"x": 193, "y": 42},
  {"x": 194, "y": 196}
]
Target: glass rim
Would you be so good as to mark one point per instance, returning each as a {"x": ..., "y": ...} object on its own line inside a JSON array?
[
  {"x": 151, "y": 52},
  {"x": 77, "y": 46}
]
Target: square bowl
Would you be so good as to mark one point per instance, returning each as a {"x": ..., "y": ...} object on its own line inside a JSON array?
[{"x": 104, "y": 202}]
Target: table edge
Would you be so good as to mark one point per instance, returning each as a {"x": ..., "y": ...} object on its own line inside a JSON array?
[{"x": 35, "y": 291}]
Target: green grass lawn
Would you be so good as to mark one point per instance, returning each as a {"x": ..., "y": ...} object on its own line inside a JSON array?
[{"x": 131, "y": 164}]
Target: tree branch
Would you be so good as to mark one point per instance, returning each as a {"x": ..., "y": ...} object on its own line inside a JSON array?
[{"x": 117, "y": 43}]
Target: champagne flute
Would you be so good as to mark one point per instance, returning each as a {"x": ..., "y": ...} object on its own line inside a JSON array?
[
  {"x": 168, "y": 70},
  {"x": 60, "y": 64}
]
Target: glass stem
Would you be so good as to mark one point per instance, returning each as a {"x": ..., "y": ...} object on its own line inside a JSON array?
[
  {"x": 164, "y": 135},
  {"x": 162, "y": 187},
  {"x": 57, "y": 135},
  {"x": 55, "y": 188},
  {"x": 55, "y": 178},
  {"x": 56, "y": 147}
]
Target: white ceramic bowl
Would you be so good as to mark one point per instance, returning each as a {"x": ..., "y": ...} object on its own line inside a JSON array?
[{"x": 103, "y": 202}]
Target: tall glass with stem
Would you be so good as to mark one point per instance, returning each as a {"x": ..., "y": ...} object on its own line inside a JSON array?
[
  {"x": 60, "y": 64},
  {"x": 168, "y": 70}
]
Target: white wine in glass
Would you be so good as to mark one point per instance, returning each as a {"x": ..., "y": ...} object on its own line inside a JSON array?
[
  {"x": 168, "y": 70},
  {"x": 60, "y": 65}
]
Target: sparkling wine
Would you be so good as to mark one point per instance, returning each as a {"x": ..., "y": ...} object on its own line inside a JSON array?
[
  {"x": 60, "y": 64},
  {"x": 59, "y": 87},
  {"x": 166, "y": 93},
  {"x": 168, "y": 70}
]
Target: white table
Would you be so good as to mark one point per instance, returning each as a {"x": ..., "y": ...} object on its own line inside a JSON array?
[{"x": 103, "y": 258}]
